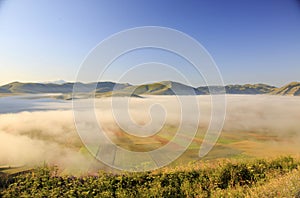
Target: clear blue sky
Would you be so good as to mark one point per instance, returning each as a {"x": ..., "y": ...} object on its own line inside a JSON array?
[{"x": 251, "y": 40}]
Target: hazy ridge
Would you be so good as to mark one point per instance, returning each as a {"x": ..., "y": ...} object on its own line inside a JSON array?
[{"x": 158, "y": 88}]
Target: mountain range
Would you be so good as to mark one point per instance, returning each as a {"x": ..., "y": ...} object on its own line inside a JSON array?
[{"x": 103, "y": 89}]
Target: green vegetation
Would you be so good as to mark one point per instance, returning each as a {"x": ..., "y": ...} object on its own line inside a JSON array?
[{"x": 277, "y": 177}]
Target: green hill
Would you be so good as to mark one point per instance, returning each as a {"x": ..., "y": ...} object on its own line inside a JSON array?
[
  {"x": 292, "y": 89},
  {"x": 161, "y": 88},
  {"x": 249, "y": 89},
  {"x": 238, "y": 89},
  {"x": 104, "y": 89},
  {"x": 32, "y": 88},
  {"x": 17, "y": 87}
]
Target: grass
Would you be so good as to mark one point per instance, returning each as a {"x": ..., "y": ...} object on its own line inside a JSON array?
[{"x": 277, "y": 177}]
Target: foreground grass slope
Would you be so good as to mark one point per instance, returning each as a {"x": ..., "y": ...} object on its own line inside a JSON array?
[{"x": 278, "y": 177}]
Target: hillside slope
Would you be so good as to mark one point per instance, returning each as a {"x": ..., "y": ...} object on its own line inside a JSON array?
[
  {"x": 32, "y": 88},
  {"x": 162, "y": 88},
  {"x": 240, "y": 89},
  {"x": 249, "y": 89},
  {"x": 291, "y": 89}
]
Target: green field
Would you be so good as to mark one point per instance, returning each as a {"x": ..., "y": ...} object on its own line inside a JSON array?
[{"x": 230, "y": 145}]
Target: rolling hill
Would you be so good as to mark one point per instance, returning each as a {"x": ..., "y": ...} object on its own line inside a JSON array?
[
  {"x": 292, "y": 89},
  {"x": 105, "y": 89},
  {"x": 3, "y": 90},
  {"x": 239, "y": 89},
  {"x": 17, "y": 87},
  {"x": 32, "y": 88},
  {"x": 161, "y": 88},
  {"x": 249, "y": 89}
]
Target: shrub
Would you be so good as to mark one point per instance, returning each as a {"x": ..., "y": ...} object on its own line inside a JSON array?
[{"x": 205, "y": 182}]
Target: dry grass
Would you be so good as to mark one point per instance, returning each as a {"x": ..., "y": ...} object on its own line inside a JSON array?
[{"x": 278, "y": 185}]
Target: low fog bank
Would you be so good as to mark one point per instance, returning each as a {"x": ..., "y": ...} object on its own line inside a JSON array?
[
  {"x": 31, "y": 138},
  {"x": 277, "y": 115},
  {"x": 34, "y": 138}
]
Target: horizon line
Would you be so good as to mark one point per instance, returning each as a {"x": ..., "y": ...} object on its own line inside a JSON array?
[{"x": 135, "y": 84}]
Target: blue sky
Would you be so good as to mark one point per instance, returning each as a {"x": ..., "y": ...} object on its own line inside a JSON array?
[{"x": 251, "y": 41}]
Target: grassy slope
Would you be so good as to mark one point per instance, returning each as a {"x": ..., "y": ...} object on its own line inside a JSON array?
[
  {"x": 252, "y": 178},
  {"x": 292, "y": 89},
  {"x": 282, "y": 185},
  {"x": 249, "y": 89}
]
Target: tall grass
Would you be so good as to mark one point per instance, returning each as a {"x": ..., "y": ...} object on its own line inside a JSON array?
[{"x": 252, "y": 178}]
